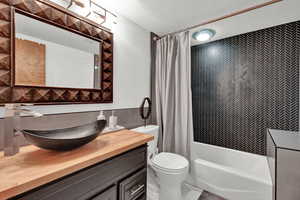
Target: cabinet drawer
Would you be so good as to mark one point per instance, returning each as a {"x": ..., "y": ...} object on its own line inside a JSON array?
[
  {"x": 110, "y": 194},
  {"x": 134, "y": 186},
  {"x": 143, "y": 197}
]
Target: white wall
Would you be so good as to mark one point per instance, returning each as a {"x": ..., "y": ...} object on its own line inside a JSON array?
[
  {"x": 68, "y": 67},
  {"x": 131, "y": 71}
]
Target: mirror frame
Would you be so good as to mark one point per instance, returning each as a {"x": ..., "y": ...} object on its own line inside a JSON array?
[{"x": 48, "y": 12}]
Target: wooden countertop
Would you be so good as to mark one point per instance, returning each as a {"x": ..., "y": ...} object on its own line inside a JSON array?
[{"x": 33, "y": 167}]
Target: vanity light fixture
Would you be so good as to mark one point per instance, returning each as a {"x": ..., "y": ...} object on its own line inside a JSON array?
[
  {"x": 97, "y": 13},
  {"x": 101, "y": 15},
  {"x": 93, "y": 11},
  {"x": 204, "y": 35},
  {"x": 76, "y": 2}
]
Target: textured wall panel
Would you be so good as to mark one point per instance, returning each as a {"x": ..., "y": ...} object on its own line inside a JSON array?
[
  {"x": 4, "y": 12},
  {"x": 73, "y": 22},
  {"x": 42, "y": 95},
  {"x": 5, "y": 93},
  {"x": 5, "y": 64},
  {"x": 22, "y": 95},
  {"x": 245, "y": 84}
]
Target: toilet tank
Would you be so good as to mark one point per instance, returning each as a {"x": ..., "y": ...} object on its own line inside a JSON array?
[{"x": 151, "y": 130}]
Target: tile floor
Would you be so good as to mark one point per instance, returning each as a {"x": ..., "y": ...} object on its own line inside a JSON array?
[{"x": 153, "y": 191}]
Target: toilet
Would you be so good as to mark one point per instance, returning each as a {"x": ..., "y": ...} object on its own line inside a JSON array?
[{"x": 171, "y": 169}]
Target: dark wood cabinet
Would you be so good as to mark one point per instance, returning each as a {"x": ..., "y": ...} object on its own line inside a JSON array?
[
  {"x": 134, "y": 186},
  {"x": 109, "y": 194},
  {"x": 143, "y": 197},
  {"x": 119, "y": 178}
]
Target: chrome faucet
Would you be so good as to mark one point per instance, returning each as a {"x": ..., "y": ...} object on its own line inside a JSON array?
[{"x": 12, "y": 128}]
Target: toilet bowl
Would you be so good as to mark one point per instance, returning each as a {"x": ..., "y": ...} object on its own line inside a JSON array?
[{"x": 171, "y": 169}]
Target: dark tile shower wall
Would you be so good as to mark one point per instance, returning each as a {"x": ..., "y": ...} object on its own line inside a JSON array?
[{"x": 245, "y": 84}]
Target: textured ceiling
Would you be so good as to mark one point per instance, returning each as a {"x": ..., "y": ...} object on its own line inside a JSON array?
[
  {"x": 272, "y": 15},
  {"x": 165, "y": 16}
]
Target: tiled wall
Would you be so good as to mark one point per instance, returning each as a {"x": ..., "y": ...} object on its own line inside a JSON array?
[
  {"x": 245, "y": 84},
  {"x": 128, "y": 118}
]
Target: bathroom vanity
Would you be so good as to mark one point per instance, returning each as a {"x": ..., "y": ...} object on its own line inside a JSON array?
[
  {"x": 113, "y": 166},
  {"x": 283, "y": 151},
  {"x": 33, "y": 68}
]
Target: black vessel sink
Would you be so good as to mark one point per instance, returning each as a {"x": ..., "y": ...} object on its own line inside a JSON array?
[{"x": 65, "y": 139}]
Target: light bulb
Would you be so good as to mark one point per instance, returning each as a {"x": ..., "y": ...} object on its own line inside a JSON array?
[{"x": 204, "y": 35}]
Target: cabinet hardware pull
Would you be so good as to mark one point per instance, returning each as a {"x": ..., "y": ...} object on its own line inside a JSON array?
[{"x": 137, "y": 190}]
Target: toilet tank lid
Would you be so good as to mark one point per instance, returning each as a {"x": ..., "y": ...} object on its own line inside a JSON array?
[
  {"x": 146, "y": 129},
  {"x": 170, "y": 161}
]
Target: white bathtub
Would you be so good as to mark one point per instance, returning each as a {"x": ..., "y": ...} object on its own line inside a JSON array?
[{"x": 232, "y": 174}]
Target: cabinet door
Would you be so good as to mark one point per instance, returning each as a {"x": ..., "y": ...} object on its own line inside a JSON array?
[
  {"x": 110, "y": 194},
  {"x": 134, "y": 187}
]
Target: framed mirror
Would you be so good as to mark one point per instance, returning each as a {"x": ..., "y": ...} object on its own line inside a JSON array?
[
  {"x": 53, "y": 56},
  {"x": 49, "y": 56}
]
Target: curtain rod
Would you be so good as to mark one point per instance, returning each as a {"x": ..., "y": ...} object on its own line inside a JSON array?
[{"x": 224, "y": 17}]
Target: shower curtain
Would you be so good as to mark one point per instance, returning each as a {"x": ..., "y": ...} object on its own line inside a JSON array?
[{"x": 173, "y": 93}]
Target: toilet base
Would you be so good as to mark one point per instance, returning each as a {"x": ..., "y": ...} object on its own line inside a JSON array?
[
  {"x": 153, "y": 189},
  {"x": 171, "y": 185},
  {"x": 174, "y": 192}
]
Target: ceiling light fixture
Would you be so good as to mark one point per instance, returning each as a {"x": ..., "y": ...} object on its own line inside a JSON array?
[{"x": 204, "y": 35}]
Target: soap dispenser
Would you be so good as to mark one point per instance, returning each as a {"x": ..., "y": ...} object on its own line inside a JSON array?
[
  {"x": 113, "y": 120},
  {"x": 101, "y": 116}
]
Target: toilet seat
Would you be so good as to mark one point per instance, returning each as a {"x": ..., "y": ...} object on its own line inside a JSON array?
[{"x": 170, "y": 162}]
